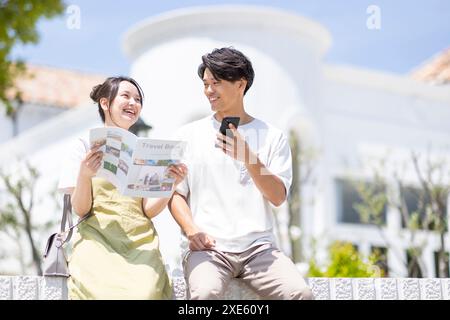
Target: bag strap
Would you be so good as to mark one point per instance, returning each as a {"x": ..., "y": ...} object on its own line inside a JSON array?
[
  {"x": 67, "y": 219},
  {"x": 67, "y": 211}
]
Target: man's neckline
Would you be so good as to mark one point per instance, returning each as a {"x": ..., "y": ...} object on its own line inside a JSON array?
[{"x": 240, "y": 125}]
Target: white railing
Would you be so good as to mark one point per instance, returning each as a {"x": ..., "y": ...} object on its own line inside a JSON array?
[{"x": 51, "y": 288}]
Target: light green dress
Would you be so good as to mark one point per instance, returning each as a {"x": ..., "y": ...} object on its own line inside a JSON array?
[{"x": 115, "y": 252}]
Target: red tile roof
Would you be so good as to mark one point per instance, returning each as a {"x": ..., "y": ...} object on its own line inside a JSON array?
[
  {"x": 436, "y": 70},
  {"x": 57, "y": 87}
]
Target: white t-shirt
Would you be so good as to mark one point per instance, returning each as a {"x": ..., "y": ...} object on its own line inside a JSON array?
[
  {"x": 225, "y": 202},
  {"x": 69, "y": 170}
]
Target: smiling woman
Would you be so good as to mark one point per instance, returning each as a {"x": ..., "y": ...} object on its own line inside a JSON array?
[
  {"x": 116, "y": 250},
  {"x": 119, "y": 101}
]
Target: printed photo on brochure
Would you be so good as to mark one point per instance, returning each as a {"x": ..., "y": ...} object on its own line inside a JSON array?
[{"x": 136, "y": 166}]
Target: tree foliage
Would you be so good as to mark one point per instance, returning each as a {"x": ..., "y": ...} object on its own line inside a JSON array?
[
  {"x": 430, "y": 193},
  {"x": 17, "y": 211},
  {"x": 303, "y": 161},
  {"x": 345, "y": 262},
  {"x": 18, "y": 20}
]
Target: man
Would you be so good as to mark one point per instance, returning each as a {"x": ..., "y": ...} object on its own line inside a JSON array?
[{"x": 223, "y": 206}]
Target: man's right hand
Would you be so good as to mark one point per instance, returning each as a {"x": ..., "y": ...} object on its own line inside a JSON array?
[{"x": 200, "y": 241}]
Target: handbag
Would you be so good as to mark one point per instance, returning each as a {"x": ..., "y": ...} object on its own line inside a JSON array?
[{"x": 55, "y": 261}]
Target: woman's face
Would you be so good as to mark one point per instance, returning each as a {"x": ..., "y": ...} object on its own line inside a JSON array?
[{"x": 125, "y": 108}]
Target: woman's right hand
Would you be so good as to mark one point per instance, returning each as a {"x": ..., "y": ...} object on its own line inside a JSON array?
[{"x": 91, "y": 163}]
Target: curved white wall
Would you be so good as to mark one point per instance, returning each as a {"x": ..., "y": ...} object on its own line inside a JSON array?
[{"x": 285, "y": 50}]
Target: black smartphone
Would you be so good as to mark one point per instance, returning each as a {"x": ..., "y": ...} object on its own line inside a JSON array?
[{"x": 225, "y": 122}]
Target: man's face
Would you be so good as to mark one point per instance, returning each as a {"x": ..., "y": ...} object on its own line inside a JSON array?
[{"x": 223, "y": 95}]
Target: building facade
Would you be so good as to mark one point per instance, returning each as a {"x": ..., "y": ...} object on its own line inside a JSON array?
[{"x": 353, "y": 119}]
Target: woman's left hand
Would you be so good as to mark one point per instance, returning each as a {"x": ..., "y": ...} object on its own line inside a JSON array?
[{"x": 178, "y": 171}]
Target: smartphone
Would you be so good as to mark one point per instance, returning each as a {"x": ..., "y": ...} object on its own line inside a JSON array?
[{"x": 224, "y": 126}]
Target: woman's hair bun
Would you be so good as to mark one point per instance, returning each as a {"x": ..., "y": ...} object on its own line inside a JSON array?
[{"x": 95, "y": 93}]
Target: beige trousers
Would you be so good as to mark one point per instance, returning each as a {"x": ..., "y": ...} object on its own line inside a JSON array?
[{"x": 264, "y": 268}]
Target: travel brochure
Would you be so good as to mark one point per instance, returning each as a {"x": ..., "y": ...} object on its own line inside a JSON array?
[{"x": 137, "y": 167}]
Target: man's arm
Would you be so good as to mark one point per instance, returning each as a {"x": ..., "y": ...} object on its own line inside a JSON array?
[
  {"x": 182, "y": 214},
  {"x": 271, "y": 187}
]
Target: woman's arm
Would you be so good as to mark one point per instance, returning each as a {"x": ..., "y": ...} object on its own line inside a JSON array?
[
  {"x": 153, "y": 207},
  {"x": 82, "y": 193}
]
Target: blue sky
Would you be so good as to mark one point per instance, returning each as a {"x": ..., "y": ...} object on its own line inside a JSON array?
[{"x": 411, "y": 32}]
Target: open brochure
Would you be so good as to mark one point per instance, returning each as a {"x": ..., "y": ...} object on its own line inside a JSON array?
[{"x": 138, "y": 167}]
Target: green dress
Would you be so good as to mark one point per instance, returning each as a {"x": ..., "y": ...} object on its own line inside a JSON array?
[{"x": 115, "y": 252}]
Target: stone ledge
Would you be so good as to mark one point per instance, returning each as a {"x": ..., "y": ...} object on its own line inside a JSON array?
[
  {"x": 33, "y": 288},
  {"x": 55, "y": 288}
]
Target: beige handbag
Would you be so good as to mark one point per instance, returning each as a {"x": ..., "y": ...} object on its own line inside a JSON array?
[{"x": 55, "y": 261}]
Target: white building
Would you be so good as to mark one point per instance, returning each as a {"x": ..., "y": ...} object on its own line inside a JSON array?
[{"x": 350, "y": 116}]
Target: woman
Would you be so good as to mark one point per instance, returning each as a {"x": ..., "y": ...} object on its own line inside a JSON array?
[{"x": 116, "y": 250}]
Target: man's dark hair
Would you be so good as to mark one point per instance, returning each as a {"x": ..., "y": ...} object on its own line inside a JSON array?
[{"x": 228, "y": 64}]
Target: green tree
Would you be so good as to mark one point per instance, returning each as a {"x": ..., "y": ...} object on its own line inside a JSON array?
[
  {"x": 18, "y": 19},
  {"x": 302, "y": 167},
  {"x": 345, "y": 262},
  {"x": 17, "y": 211},
  {"x": 430, "y": 213}
]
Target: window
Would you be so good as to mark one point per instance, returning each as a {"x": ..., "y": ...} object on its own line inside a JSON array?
[
  {"x": 347, "y": 197},
  {"x": 417, "y": 200}
]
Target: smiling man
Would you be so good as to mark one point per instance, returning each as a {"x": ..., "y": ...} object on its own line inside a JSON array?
[{"x": 223, "y": 206}]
